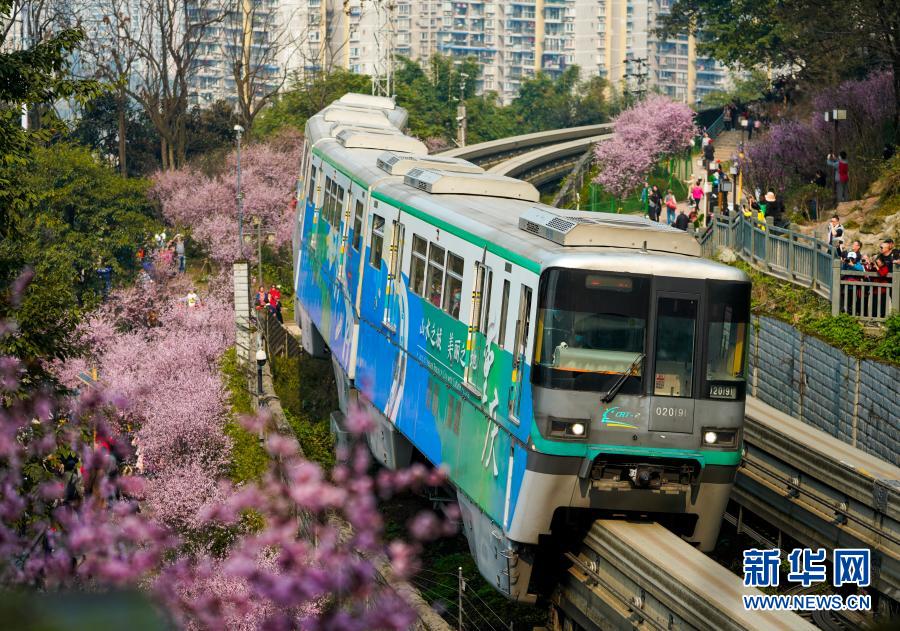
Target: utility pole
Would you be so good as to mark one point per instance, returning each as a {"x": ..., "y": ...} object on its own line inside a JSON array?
[
  {"x": 238, "y": 130},
  {"x": 639, "y": 73},
  {"x": 461, "y": 117}
]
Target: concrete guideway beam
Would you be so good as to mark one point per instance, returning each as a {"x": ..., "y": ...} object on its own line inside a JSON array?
[
  {"x": 640, "y": 575},
  {"x": 821, "y": 491},
  {"x": 487, "y": 152},
  {"x": 534, "y": 161}
]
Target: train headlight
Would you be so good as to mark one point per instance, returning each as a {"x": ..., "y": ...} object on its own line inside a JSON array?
[
  {"x": 568, "y": 428},
  {"x": 720, "y": 438}
]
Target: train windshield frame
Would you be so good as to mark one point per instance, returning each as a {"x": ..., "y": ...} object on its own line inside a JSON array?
[{"x": 592, "y": 329}]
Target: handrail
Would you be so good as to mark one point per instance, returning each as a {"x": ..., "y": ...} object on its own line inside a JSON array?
[
  {"x": 805, "y": 261},
  {"x": 716, "y": 126}
]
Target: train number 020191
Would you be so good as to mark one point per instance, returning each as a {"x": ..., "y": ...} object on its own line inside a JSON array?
[{"x": 661, "y": 411}]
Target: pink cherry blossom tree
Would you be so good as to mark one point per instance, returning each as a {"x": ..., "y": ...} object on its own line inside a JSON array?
[
  {"x": 207, "y": 203},
  {"x": 794, "y": 148},
  {"x": 307, "y": 563},
  {"x": 654, "y": 128}
]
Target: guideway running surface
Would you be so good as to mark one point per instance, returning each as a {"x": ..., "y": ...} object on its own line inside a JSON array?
[{"x": 641, "y": 575}]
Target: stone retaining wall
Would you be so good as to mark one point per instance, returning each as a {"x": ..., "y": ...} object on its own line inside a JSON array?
[{"x": 854, "y": 400}]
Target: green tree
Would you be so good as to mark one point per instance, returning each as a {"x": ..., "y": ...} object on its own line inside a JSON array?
[
  {"x": 745, "y": 90},
  {"x": 210, "y": 130},
  {"x": 305, "y": 97},
  {"x": 29, "y": 77},
  {"x": 822, "y": 41},
  {"x": 545, "y": 102},
  {"x": 74, "y": 215},
  {"x": 98, "y": 129},
  {"x": 432, "y": 97}
]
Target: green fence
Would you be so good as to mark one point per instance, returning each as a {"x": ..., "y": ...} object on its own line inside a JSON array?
[{"x": 673, "y": 173}]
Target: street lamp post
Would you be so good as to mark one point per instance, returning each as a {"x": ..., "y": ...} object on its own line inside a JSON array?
[
  {"x": 734, "y": 200},
  {"x": 238, "y": 130}
]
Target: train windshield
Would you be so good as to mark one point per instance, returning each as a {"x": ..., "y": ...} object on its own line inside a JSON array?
[
  {"x": 729, "y": 312},
  {"x": 591, "y": 330}
]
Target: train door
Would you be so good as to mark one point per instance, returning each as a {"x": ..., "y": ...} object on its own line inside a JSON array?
[
  {"x": 676, "y": 352},
  {"x": 345, "y": 223},
  {"x": 357, "y": 210},
  {"x": 520, "y": 349},
  {"x": 479, "y": 319}
]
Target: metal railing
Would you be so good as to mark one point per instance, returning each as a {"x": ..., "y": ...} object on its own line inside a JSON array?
[
  {"x": 866, "y": 295},
  {"x": 716, "y": 126},
  {"x": 277, "y": 339},
  {"x": 805, "y": 261}
]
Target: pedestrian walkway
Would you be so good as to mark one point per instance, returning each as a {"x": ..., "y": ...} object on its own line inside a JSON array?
[{"x": 726, "y": 145}]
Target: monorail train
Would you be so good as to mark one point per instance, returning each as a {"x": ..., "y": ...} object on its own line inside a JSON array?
[{"x": 558, "y": 363}]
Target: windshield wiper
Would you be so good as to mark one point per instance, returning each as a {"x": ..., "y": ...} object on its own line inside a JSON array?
[{"x": 612, "y": 392}]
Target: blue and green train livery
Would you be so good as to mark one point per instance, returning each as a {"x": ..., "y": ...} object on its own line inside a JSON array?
[{"x": 561, "y": 365}]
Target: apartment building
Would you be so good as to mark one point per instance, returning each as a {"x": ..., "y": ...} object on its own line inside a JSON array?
[{"x": 512, "y": 40}]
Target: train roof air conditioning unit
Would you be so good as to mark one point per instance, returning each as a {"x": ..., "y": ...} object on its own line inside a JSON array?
[
  {"x": 444, "y": 182},
  {"x": 401, "y": 164},
  {"x": 579, "y": 228},
  {"x": 354, "y": 116},
  {"x": 367, "y": 100},
  {"x": 356, "y": 138}
]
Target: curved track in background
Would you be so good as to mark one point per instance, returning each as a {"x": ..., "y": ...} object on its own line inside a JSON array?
[
  {"x": 488, "y": 154},
  {"x": 547, "y": 164}
]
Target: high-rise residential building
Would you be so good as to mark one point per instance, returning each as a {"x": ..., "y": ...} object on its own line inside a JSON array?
[
  {"x": 511, "y": 39},
  {"x": 251, "y": 33}
]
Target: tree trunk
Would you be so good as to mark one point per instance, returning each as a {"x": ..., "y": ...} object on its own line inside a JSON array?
[
  {"x": 122, "y": 103},
  {"x": 164, "y": 153}
]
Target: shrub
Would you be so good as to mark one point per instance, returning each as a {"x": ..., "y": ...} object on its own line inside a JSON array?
[{"x": 889, "y": 346}]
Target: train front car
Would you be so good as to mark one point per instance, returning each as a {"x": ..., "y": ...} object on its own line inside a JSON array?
[{"x": 637, "y": 384}]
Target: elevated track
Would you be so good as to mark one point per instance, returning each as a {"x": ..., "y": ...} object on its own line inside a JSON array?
[
  {"x": 641, "y": 576},
  {"x": 493, "y": 152},
  {"x": 547, "y": 164},
  {"x": 813, "y": 487}
]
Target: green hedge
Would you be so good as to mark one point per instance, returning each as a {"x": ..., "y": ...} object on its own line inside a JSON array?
[
  {"x": 811, "y": 314},
  {"x": 308, "y": 396},
  {"x": 248, "y": 458}
]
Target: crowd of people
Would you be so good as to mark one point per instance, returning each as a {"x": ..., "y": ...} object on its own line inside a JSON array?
[
  {"x": 853, "y": 259},
  {"x": 270, "y": 301}
]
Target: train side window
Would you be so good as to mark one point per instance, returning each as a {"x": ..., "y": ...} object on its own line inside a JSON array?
[
  {"x": 377, "y": 242},
  {"x": 453, "y": 284},
  {"x": 333, "y": 205},
  {"x": 504, "y": 312},
  {"x": 357, "y": 225},
  {"x": 417, "y": 265},
  {"x": 434, "y": 284},
  {"x": 311, "y": 195},
  {"x": 338, "y": 205},
  {"x": 327, "y": 203}
]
